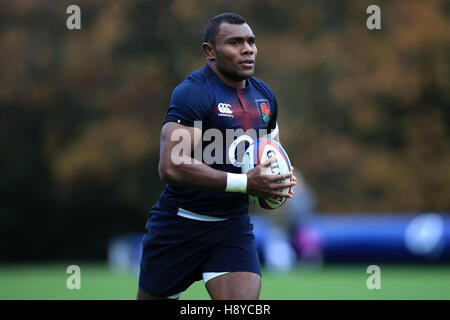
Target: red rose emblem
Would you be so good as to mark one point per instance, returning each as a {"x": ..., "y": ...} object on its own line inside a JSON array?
[{"x": 265, "y": 109}]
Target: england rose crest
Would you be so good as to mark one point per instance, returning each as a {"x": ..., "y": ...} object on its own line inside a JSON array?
[{"x": 265, "y": 111}]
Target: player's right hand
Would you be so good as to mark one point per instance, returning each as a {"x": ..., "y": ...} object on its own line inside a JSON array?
[{"x": 264, "y": 185}]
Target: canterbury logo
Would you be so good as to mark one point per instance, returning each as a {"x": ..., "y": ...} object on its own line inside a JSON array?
[{"x": 224, "y": 108}]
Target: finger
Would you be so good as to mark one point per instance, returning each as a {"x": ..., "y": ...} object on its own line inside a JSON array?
[
  {"x": 274, "y": 200},
  {"x": 281, "y": 177},
  {"x": 282, "y": 185},
  {"x": 267, "y": 162},
  {"x": 281, "y": 194},
  {"x": 287, "y": 175}
]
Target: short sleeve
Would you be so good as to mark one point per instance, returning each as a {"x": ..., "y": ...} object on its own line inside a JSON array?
[{"x": 190, "y": 102}]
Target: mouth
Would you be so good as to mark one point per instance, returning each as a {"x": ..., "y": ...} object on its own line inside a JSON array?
[{"x": 248, "y": 63}]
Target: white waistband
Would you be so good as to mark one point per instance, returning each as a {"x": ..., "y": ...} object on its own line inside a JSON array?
[{"x": 195, "y": 216}]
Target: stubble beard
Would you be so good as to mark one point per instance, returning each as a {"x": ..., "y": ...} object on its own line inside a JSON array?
[{"x": 231, "y": 73}]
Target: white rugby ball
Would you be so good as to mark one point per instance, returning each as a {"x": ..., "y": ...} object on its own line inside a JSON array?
[{"x": 260, "y": 151}]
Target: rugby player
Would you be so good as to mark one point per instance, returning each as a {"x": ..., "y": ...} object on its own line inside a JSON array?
[{"x": 200, "y": 227}]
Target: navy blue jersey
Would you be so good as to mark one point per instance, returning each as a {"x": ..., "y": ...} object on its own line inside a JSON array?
[{"x": 202, "y": 96}]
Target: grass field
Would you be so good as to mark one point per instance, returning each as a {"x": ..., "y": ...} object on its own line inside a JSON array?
[{"x": 48, "y": 282}]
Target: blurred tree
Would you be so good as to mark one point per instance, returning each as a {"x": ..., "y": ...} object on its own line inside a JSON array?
[{"x": 363, "y": 114}]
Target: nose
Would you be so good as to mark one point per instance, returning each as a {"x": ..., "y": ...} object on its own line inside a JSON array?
[{"x": 247, "y": 49}]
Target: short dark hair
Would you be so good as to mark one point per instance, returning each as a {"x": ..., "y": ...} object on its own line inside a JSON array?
[{"x": 212, "y": 28}]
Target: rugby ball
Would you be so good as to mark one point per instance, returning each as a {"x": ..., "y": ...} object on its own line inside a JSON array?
[{"x": 260, "y": 151}]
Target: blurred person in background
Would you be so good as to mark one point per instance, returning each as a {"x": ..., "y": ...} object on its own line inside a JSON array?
[{"x": 284, "y": 238}]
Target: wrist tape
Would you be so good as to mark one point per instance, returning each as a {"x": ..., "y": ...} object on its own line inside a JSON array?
[{"x": 236, "y": 182}]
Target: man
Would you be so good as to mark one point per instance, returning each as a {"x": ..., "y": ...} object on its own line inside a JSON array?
[{"x": 200, "y": 227}]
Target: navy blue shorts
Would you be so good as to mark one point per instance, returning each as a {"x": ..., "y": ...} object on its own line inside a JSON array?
[{"x": 177, "y": 251}]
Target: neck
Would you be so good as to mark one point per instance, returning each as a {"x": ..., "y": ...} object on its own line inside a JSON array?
[{"x": 240, "y": 84}]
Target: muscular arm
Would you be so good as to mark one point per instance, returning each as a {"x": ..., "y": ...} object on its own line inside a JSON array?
[{"x": 177, "y": 167}]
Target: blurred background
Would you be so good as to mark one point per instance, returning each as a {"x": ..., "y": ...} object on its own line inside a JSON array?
[{"x": 364, "y": 115}]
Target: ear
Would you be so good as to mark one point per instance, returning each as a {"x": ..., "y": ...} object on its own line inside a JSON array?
[{"x": 209, "y": 50}]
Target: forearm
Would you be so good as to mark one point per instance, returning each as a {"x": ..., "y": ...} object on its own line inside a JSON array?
[{"x": 193, "y": 174}]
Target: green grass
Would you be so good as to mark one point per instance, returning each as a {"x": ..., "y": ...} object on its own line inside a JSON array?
[{"x": 48, "y": 282}]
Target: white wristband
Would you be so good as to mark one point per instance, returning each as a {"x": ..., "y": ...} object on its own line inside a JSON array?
[{"x": 236, "y": 182}]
